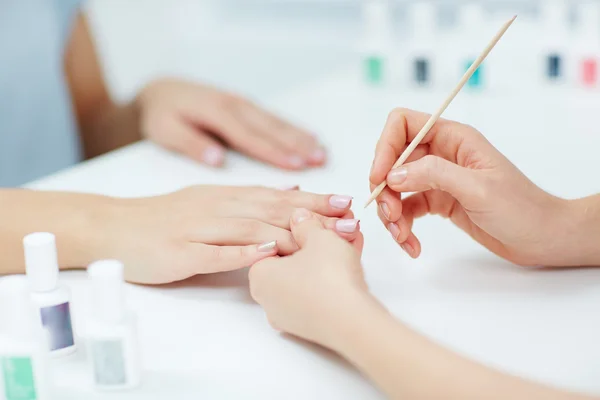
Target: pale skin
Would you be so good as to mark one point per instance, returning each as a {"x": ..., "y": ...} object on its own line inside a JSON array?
[
  {"x": 319, "y": 293},
  {"x": 197, "y": 230}
]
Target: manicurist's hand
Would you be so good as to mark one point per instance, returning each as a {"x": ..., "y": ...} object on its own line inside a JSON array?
[
  {"x": 303, "y": 294},
  {"x": 206, "y": 229},
  {"x": 200, "y": 121},
  {"x": 459, "y": 175}
]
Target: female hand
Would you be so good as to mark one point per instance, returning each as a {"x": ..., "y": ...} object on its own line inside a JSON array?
[
  {"x": 302, "y": 293},
  {"x": 195, "y": 119},
  {"x": 459, "y": 175},
  {"x": 206, "y": 229}
]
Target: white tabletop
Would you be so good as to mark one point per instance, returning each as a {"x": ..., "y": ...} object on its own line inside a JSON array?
[{"x": 206, "y": 338}]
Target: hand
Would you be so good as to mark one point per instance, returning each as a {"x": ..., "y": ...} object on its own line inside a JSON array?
[
  {"x": 459, "y": 175},
  {"x": 194, "y": 119},
  {"x": 303, "y": 293},
  {"x": 206, "y": 229}
]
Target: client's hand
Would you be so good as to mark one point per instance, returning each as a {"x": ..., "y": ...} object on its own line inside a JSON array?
[
  {"x": 195, "y": 119},
  {"x": 459, "y": 175},
  {"x": 207, "y": 229},
  {"x": 303, "y": 293}
]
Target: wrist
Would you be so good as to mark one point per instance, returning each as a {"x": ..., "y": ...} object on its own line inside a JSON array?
[{"x": 581, "y": 233}]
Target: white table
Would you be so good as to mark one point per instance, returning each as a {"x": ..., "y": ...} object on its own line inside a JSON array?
[{"x": 205, "y": 338}]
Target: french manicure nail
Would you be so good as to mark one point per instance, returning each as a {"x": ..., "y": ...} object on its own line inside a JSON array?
[
  {"x": 318, "y": 155},
  {"x": 407, "y": 248},
  {"x": 397, "y": 176},
  {"x": 346, "y": 225},
  {"x": 213, "y": 156},
  {"x": 267, "y": 247},
  {"x": 296, "y": 162},
  {"x": 300, "y": 214},
  {"x": 394, "y": 230},
  {"x": 385, "y": 210},
  {"x": 340, "y": 202}
]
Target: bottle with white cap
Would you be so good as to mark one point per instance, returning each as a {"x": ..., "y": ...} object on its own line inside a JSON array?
[
  {"x": 53, "y": 301},
  {"x": 376, "y": 43},
  {"x": 586, "y": 45},
  {"x": 555, "y": 16},
  {"x": 422, "y": 45},
  {"x": 111, "y": 330},
  {"x": 23, "y": 355}
]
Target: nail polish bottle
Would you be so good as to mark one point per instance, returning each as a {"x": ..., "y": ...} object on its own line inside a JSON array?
[
  {"x": 555, "y": 33},
  {"x": 423, "y": 22},
  {"x": 52, "y": 301},
  {"x": 111, "y": 331},
  {"x": 473, "y": 29},
  {"x": 587, "y": 45},
  {"x": 376, "y": 41},
  {"x": 24, "y": 370}
]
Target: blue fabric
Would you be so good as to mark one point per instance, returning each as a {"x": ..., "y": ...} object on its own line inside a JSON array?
[{"x": 38, "y": 132}]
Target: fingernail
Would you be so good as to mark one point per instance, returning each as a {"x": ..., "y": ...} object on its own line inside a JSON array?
[
  {"x": 346, "y": 225},
  {"x": 213, "y": 156},
  {"x": 407, "y": 248},
  {"x": 300, "y": 214},
  {"x": 341, "y": 202},
  {"x": 397, "y": 176},
  {"x": 267, "y": 247},
  {"x": 394, "y": 230},
  {"x": 296, "y": 162},
  {"x": 318, "y": 155},
  {"x": 385, "y": 210}
]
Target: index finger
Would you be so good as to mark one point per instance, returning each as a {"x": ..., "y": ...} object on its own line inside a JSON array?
[{"x": 401, "y": 127}]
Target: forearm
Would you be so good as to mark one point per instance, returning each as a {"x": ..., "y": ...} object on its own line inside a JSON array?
[
  {"x": 406, "y": 365},
  {"x": 582, "y": 237},
  {"x": 77, "y": 220}
]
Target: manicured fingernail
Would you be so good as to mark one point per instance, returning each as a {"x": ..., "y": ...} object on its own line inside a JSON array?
[
  {"x": 213, "y": 156},
  {"x": 394, "y": 230},
  {"x": 346, "y": 225},
  {"x": 318, "y": 155},
  {"x": 385, "y": 210},
  {"x": 397, "y": 176},
  {"x": 407, "y": 248},
  {"x": 267, "y": 247},
  {"x": 341, "y": 202},
  {"x": 296, "y": 162},
  {"x": 300, "y": 214}
]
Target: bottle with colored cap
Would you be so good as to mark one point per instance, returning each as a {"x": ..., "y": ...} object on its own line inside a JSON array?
[
  {"x": 556, "y": 35},
  {"x": 23, "y": 355},
  {"x": 111, "y": 330},
  {"x": 586, "y": 45},
  {"x": 475, "y": 32},
  {"x": 52, "y": 301},
  {"x": 421, "y": 48},
  {"x": 376, "y": 41}
]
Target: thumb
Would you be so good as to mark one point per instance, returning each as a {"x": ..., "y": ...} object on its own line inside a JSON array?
[
  {"x": 304, "y": 224},
  {"x": 431, "y": 172},
  {"x": 196, "y": 144}
]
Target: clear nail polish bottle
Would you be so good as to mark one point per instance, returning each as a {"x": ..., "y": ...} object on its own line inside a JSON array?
[
  {"x": 111, "y": 330},
  {"x": 555, "y": 38},
  {"x": 52, "y": 301},
  {"x": 421, "y": 48},
  {"x": 586, "y": 45},
  {"x": 24, "y": 370},
  {"x": 376, "y": 41}
]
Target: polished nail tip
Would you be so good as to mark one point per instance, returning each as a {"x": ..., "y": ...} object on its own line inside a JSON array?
[
  {"x": 318, "y": 155},
  {"x": 398, "y": 175},
  {"x": 347, "y": 225},
  {"x": 296, "y": 162},
  {"x": 300, "y": 215},
  {"x": 385, "y": 210},
  {"x": 340, "y": 201},
  {"x": 267, "y": 247},
  {"x": 213, "y": 156}
]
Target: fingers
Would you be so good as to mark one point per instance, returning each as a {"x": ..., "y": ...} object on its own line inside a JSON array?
[
  {"x": 433, "y": 172},
  {"x": 281, "y": 133},
  {"x": 304, "y": 225},
  {"x": 190, "y": 141},
  {"x": 347, "y": 228},
  {"x": 402, "y": 126},
  {"x": 230, "y": 258}
]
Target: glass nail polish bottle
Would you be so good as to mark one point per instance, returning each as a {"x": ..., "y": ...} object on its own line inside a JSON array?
[
  {"x": 53, "y": 301},
  {"x": 24, "y": 370},
  {"x": 422, "y": 46},
  {"x": 376, "y": 41},
  {"x": 111, "y": 330},
  {"x": 586, "y": 45},
  {"x": 555, "y": 33}
]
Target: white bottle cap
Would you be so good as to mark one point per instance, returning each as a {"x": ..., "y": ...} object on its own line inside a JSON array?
[
  {"x": 41, "y": 261},
  {"x": 376, "y": 19},
  {"x": 17, "y": 313},
  {"x": 108, "y": 294},
  {"x": 589, "y": 19},
  {"x": 423, "y": 20},
  {"x": 472, "y": 18},
  {"x": 555, "y": 13}
]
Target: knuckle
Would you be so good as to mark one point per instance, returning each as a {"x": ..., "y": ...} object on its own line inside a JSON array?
[
  {"x": 249, "y": 228},
  {"x": 277, "y": 210}
]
